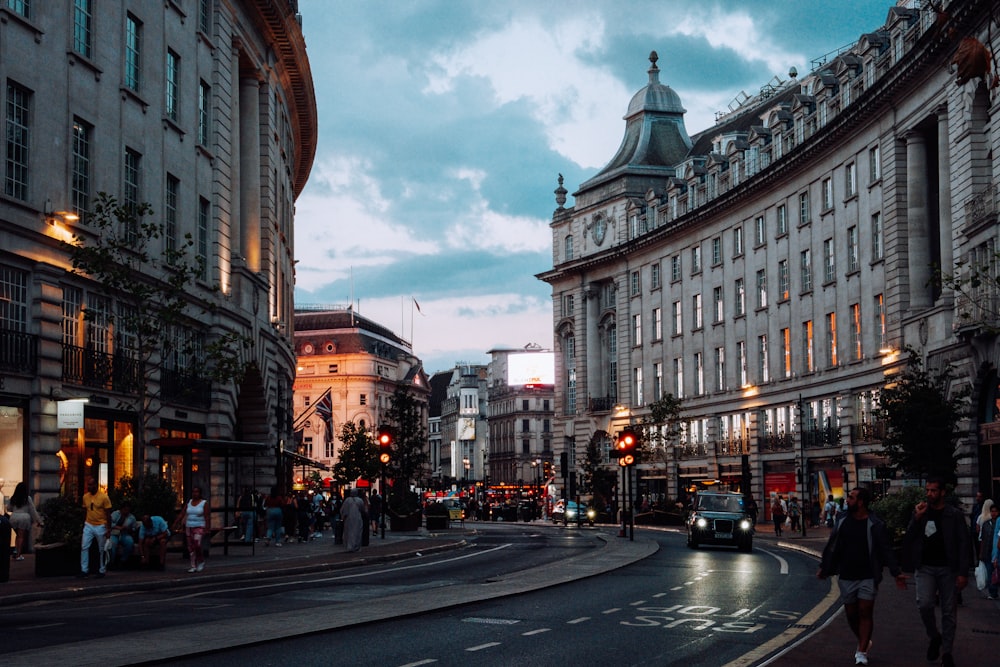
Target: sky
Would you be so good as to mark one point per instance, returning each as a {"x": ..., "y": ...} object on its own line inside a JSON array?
[{"x": 443, "y": 126}]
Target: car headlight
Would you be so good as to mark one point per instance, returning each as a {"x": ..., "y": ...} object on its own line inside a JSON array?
[
  {"x": 702, "y": 523},
  {"x": 745, "y": 524},
  {"x": 591, "y": 513}
]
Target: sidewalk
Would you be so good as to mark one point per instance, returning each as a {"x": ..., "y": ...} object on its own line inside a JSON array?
[{"x": 899, "y": 637}]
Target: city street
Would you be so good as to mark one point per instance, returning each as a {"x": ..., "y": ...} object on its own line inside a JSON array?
[{"x": 678, "y": 606}]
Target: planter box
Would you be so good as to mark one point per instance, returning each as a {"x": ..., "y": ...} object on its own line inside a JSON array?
[
  {"x": 404, "y": 522},
  {"x": 57, "y": 560},
  {"x": 436, "y": 522}
]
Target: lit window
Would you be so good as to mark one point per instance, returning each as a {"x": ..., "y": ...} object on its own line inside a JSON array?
[{"x": 133, "y": 52}]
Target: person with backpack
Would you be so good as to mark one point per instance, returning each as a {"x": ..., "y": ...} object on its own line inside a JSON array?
[{"x": 829, "y": 511}]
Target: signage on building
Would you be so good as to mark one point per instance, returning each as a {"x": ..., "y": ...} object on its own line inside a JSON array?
[{"x": 69, "y": 414}]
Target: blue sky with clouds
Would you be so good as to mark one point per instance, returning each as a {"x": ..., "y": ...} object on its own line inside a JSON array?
[{"x": 443, "y": 125}]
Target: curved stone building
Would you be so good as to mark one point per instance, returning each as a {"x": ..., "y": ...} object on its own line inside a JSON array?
[
  {"x": 206, "y": 111},
  {"x": 771, "y": 269}
]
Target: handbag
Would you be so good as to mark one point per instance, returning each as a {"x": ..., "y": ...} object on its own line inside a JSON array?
[{"x": 981, "y": 575}]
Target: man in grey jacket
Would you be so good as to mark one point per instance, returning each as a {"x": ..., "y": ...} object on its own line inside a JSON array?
[
  {"x": 858, "y": 549},
  {"x": 937, "y": 547}
]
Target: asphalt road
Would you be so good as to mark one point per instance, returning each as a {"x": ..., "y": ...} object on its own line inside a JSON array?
[
  {"x": 713, "y": 606},
  {"x": 489, "y": 556}
]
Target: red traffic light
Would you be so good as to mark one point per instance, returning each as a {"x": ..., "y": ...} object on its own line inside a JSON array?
[
  {"x": 625, "y": 446},
  {"x": 384, "y": 444}
]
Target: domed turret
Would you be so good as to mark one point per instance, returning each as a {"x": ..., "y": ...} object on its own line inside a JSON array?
[{"x": 655, "y": 96}]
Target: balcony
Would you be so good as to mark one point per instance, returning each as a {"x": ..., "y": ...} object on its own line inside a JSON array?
[
  {"x": 732, "y": 446},
  {"x": 868, "y": 432},
  {"x": 777, "y": 442},
  {"x": 982, "y": 208},
  {"x": 18, "y": 352},
  {"x": 692, "y": 450},
  {"x": 603, "y": 403},
  {"x": 185, "y": 388},
  {"x": 100, "y": 370},
  {"x": 828, "y": 436}
]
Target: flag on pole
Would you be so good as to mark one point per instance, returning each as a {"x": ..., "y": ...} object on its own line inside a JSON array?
[
  {"x": 418, "y": 306},
  {"x": 324, "y": 408}
]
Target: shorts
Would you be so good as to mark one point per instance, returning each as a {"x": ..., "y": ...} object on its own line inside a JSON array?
[{"x": 852, "y": 590}]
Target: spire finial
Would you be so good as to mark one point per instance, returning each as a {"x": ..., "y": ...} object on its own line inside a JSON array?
[
  {"x": 560, "y": 193},
  {"x": 654, "y": 71}
]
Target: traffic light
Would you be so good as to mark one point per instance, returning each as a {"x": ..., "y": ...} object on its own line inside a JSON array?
[
  {"x": 625, "y": 446},
  {"x": 384, "y": 444}
]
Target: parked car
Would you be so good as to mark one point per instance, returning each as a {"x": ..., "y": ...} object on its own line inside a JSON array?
[
  {"x": 568, "y": 511},
  {"x": 719, "y": 518}
]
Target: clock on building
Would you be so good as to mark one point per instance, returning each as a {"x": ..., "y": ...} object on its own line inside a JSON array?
[
  {"x": 307, "y": 348},
  {"x": 599, "y": 228}
]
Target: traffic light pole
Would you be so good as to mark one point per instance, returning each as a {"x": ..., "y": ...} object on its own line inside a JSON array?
[{"x": 385, "y": 503}]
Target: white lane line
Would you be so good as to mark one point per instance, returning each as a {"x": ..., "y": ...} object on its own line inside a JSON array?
[
  {"x": 688, "y": 583},
  {"x": 612, "y": 610},
  {"x": 637, "y": 603},
  {"x": 535, "y": 632},
  {"x": 578, "y": 620},
  {"x": 783, "y": 569},
  {"x": 659, "y": 595},
  {"x": 355, "y": 575},
  {"x": 428, "y": 661},
  {"x": 482, "y": 646},
  {"x": 677, "y": 588},
  {"x": 39, "y": 627}
]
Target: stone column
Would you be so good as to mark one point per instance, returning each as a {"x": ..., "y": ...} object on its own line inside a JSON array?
[
  {"x": 249, "y": 170},
  {"x": 944, "y": 196},
  {"x": 918, "y": 241},
  {"x": 595, "y": 385}
]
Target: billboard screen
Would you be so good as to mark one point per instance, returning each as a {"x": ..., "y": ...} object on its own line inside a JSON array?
[{"x": 530, "y": 368}]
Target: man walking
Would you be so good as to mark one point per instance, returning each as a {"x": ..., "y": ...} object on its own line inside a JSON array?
[
  {"x": 936, "y": 546},
  {"x": 96, "y": 526},
  {"x": 858, "y": 549}
]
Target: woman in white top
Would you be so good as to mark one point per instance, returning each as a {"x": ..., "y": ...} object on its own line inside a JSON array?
[
  {"x": 195, "y": 519},
  {"x": 22, "y": 517}
]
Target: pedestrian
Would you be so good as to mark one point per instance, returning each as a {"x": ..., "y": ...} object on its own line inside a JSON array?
[
  {"x": 248, "y": 514},
  {"x": 936, "y": 547},
  {"x": 829, "y": 511},
  {"x": 794, "y": 513},
  {"x": 196, "y": 521},
  {"x": 987, "y": 522},
  {"x": 857, "y": 550},
  {"x": 303, "y": 515},
  {"x": 352, "y": 512},
  {"x": 815, "y": 511},
  {"x": 752, "y": 510},
  {"x": 274, "y": 508},
  {"x": 23, "y": 516},
  {"x": 974, "y": 514},
  {"x": 153, "y": 533},
  {"x": 96, "y": 526},
  {"x": 375, "y": 510},
  {"x": 778, "y": 515},
  {"x": 123, "y": 527}
]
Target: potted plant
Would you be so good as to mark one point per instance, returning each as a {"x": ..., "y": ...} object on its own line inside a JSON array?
[
  {"x": 58, "y": 551},
  {"x": 437, "y": 516}
]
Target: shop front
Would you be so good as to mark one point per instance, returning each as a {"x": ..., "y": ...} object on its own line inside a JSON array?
[
  {"x": 13, "y": 467},
  {"x": 101, "y": 446}
]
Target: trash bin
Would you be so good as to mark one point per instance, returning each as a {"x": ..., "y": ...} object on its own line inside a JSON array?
[{"x": 4, "y": 548}]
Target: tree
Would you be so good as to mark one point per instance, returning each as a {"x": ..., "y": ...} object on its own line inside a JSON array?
[
  {"x": 358, "y": 458},
  {"x": 409, "y": 456},
  {"x": 922, "y": 416},
  {"x": 596, "y": 478},
  {"x": 154, "y": 328},
  {"x": 659, "y": 429}
]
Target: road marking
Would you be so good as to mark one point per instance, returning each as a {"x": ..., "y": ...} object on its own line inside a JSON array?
[
  {"x": 677, "y": 588},
  {"x": 612, "y": 610},
  {"x": 535, "y": 632},
  {"x": 688, "y": 583},
  {"x": 129, "y": 615},
  {"x": 637, "y": 603},
  {"x": 482, "y": 646},
  {"x": 491, "y": 621},
  {"x": 658, "y": 595},
  {"x": 355, "y": 575},
  {"x": 784, "y": 641},
  {"x": 428, "y": 661},
  {"x": 781, "y": 561},
  {"x": 39, "y": 627},
  {"x": 578, "y": 620}
]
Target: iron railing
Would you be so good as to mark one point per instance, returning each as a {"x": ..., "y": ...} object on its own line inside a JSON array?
[
  {"x": 100, "y": 370},
  {"x": 18, "y": 352}
]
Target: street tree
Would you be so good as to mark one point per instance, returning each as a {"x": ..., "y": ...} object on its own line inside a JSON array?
[
  {"x": 596, "y": 477},
  {"x": 147, "y": 303},
  {"x": 358, "y": 457},
  {"x": 409, "y": 455},
  {"x": 922, "y": 412},
  {"x": 659, "y": 430}
]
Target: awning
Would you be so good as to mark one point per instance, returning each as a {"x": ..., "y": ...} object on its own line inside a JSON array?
[
  {"x": 215, "y": 447},
  {"x": 300, "y": 460}
]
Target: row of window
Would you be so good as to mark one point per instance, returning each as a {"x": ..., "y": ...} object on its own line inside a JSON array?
[{"x": 807, "y": 363}]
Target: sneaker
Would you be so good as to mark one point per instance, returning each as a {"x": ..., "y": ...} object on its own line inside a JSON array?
[
  {"x": 947, "y": 660},
  {"x": 192, "y": 570},
  {"x": 22, "y": 558},
  {"x": 934, "y": 648},
  {"x": 860, "y": 658},
  {"x": 278, "y": 544},
  {"x": 200, "y": 567}
]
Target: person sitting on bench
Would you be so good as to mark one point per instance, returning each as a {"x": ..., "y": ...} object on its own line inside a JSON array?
[{"x": 154, "y": 533}]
